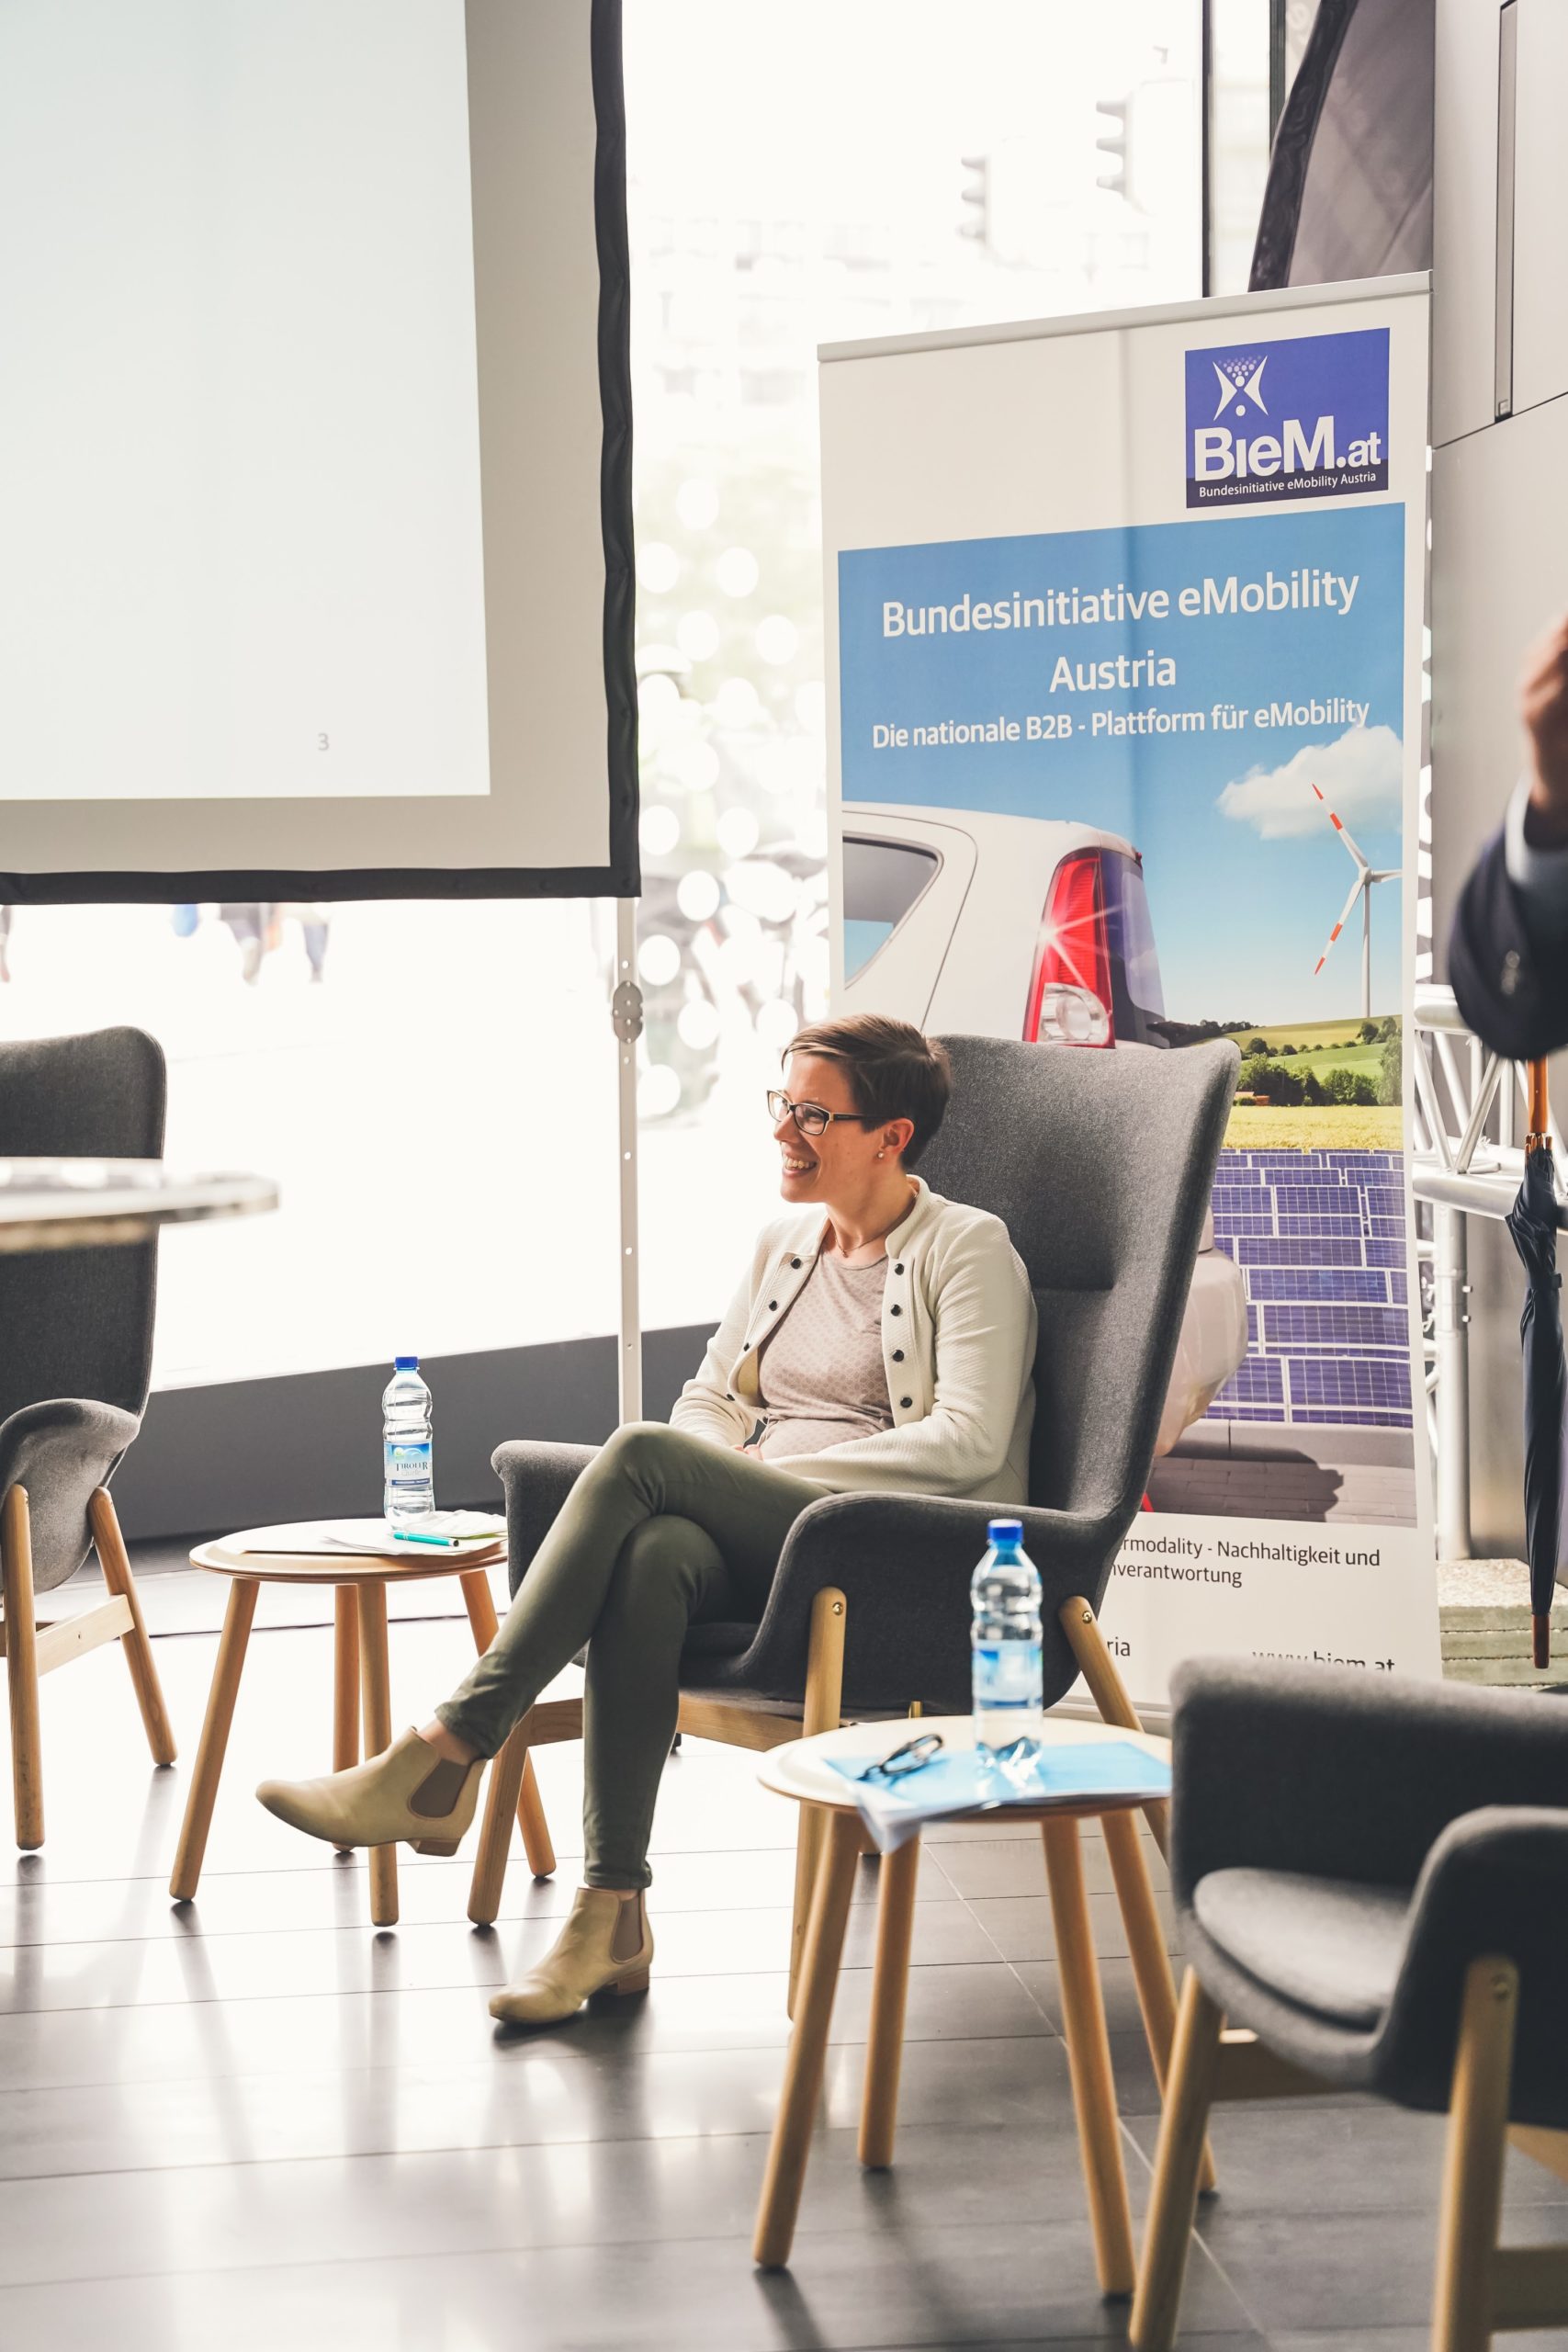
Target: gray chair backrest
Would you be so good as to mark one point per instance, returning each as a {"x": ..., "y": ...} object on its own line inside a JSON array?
[
  {"x": 1099, "y": 1163},
  {"x": 79, "y": 1322}
]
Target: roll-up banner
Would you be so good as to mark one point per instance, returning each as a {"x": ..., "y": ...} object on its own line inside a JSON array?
[{"x": 1125, "y": 626}]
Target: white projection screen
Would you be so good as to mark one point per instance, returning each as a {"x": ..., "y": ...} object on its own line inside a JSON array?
[{"x": 316, "y": 567}]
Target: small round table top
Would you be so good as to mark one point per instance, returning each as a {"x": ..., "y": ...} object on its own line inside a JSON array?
[
  {"x": 270, "y": 1555},
  {"x": 798, "y": 1769},
  {"x": 86, "y": 1204}
]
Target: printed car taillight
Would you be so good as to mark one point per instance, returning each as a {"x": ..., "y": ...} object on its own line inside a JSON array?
[{"x": 1072, "y": 961}]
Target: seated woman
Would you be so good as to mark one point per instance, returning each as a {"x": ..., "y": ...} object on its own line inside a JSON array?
[{"x": 883, "y": 1338}]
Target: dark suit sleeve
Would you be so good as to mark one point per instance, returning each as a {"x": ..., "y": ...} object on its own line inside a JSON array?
[{"x": 1512, "y": 986}]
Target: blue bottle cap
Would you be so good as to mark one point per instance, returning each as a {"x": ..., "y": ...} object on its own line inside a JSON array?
[
  {"x": 411, "y": 1363},
  {"x": 1006, "y": 1530}
]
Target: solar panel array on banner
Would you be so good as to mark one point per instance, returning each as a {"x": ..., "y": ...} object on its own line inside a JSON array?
[{"x": 1319, "y": 1237}]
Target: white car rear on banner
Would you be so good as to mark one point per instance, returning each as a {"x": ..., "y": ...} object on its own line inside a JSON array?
[{"x": 966, "y": 921}]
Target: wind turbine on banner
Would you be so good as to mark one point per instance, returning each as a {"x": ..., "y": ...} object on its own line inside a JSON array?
[{"x": 1361, "y": 888}]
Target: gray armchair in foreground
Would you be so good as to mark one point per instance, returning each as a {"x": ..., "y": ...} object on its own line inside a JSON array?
[
  {"x": 1374, "y": 1875},
  {"x": 1100, "y": 1165},
  {"x": 76, "y": 1327}
]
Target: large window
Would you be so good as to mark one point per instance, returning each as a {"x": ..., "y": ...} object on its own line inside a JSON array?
[
  {"x": 433, "y": 1084},
  {"x": 798, "y": 177}
]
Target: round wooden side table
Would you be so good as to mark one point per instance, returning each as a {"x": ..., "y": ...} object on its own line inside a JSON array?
[
  {"x": 359, "y": 1581},
  {"x": 800, "y": 1769}
]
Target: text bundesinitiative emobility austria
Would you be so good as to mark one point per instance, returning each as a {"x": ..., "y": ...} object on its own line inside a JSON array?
[{"x": 1307, "y": 588}]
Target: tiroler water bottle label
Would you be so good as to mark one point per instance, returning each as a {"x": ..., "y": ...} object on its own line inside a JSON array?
[{"x": 1009, "y": 1670}]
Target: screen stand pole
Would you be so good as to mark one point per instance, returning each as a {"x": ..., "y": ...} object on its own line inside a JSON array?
[{"x": 625, "y": 1014}]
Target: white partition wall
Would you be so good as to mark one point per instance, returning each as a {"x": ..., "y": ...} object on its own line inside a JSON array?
[{"x": 1499, "y": 527}]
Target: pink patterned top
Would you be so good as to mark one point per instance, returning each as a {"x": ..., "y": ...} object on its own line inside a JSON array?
[{"x": 820, "y": 1371}]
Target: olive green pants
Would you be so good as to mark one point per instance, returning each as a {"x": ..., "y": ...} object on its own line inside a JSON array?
[{"x": 661, "y": 1530}]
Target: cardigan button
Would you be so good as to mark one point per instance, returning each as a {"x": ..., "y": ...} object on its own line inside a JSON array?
[
  {"x": 773, "y": 1307},
  {"x": 905, "y": 1403},
  {"x": 897, "y": 1355},
  {"x": 744, "y": 1345},
  {"x": 899, "y": 1270},
  {"x": 795, "y": 1261},
  {"x": 896, "y": 1311}
]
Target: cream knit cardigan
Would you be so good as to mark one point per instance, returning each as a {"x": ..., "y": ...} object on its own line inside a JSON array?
[{"x": 958, "y": 1327}]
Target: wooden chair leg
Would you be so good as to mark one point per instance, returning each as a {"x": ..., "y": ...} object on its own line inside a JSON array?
[
  {"x": 376, "y": 1678},
  {"x": 226, "y": 1673},
  {"x": 1173, "y": 2201},
  {"x": 824, "y": 1694},
  {"x": 1145, "y": 1944},
  {"x": 115, "y": 1561},
  {"x": 1110, "y": 1694},
  {"x": 1089, "y": 2058},
  {"x": 538, "y": 1846},
  {"x": 21, "y": 1667},
  {"x": 1473, "y": 2171},
  {"x": 495, "y": 1830},
  {"x": 346, "y": 1682},
  {"x": 807, "y": 1862},
  {"x": 345, "y": 1679},
  {"x": 785, "y": 2174},
  {"x": 537, "y": 1843},
  {"x": 889, "y": 1995}
]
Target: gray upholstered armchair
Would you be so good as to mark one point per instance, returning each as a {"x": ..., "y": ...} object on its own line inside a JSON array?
[
  {"x": 1372, "y": 1875},
  {"x": 1101, "y": 1164},
  {"x": 77, "y": 1325}
]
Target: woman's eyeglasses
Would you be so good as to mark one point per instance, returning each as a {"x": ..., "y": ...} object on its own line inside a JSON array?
[
  {"x": 810, "y": 1118},
  {"x": 907, "y": 1759}
]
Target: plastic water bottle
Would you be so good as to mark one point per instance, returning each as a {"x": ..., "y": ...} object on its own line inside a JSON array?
[
  {"x": 408, "y": 1487},
  {"x": 1005, "y": 1640}
]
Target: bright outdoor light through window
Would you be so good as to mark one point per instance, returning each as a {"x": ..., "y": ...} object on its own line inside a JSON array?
[{"x": 914, "y": 168}]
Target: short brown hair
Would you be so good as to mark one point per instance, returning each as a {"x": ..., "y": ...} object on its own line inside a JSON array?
[{"x": 895, "y": 1072}]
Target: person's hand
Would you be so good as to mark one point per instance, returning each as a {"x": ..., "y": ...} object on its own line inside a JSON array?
[{"x": 1544, "y": 706}]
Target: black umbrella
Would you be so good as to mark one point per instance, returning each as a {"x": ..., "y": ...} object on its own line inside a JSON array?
[{"x": 1532, "y": 1221}]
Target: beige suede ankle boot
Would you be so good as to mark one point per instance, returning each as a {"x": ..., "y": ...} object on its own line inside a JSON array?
[
  {"x": 607, "y": 1946},
  {"x": 406, "y": 1792}
]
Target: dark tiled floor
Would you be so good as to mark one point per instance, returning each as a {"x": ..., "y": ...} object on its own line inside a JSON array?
[{"x": 254, "y": 2123}]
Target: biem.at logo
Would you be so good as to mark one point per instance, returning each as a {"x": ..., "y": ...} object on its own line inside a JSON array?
[{"x": 1306, "y": 418}]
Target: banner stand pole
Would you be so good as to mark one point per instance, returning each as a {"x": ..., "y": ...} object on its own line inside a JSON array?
[{"x": 625, "y": 1016}]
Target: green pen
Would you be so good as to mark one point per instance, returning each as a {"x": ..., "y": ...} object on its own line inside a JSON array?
[{"x": 445, "y": 1542}]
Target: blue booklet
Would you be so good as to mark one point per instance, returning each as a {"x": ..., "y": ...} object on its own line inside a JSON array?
[{"x": 971, "y": 1779}]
